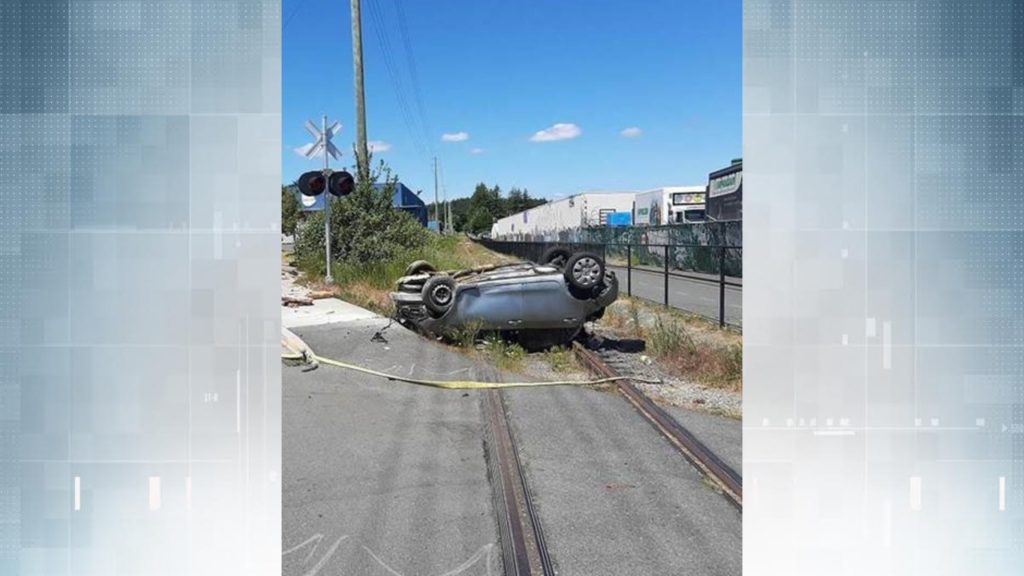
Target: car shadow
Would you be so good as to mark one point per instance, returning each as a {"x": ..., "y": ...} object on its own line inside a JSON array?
[{"x": 597, "y": 342}]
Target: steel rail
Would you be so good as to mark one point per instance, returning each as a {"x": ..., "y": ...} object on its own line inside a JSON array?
[
  {"x": 720, "y": 473},
  {"x": 524, "y": 551}
]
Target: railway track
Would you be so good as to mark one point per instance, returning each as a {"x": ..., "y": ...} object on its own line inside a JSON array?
[
  {"x": 524, "y": 552},
  {"x": 709, "y": 464}
]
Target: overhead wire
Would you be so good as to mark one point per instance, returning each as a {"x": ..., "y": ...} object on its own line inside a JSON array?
[
  {"x": 410, "y": 59},
  {"x": 398, "y": 83},
  {"x": 298, "y": 5}
]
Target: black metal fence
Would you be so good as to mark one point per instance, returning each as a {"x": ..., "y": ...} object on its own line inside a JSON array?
[{"x": 701, "y": 279}]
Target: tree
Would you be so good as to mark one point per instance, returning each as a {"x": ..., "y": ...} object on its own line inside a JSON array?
[
  {"x": 468, "y": 214},
  {"x": 290, "y": 211},
  {"x": 479, "y": 221}
]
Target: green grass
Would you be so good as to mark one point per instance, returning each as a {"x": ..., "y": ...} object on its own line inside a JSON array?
[
  {"x": 464, "y": 336},
  {"x": 444, "y": 252},
  {"x": 683, "y": 344},
  {"x": 562, "y": 359},
  {"x": 669, "y": 336},
  {"x": 505, "y": 355},
  {"x": 367, "y": 285}
]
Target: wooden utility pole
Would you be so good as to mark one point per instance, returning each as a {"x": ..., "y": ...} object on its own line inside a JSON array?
[
  {"x": 437, "y": 206},
  {"x": 448, "y": 213},
  {"x": 362, "y": 154}
]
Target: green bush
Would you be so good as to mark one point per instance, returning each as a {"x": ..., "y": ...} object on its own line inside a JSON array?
[
  {"x": 290, "y": 212},
  {"x": 365, "y": 228},
  {"x": 438, "y": 250}
]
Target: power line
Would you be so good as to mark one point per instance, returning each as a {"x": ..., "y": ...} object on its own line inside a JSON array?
[
  {"x": 396, "y": 79},
  {"x": 295, "y": 11},
  {"x": 422, "y": 138},
  {"x": 410, "y": 59}
]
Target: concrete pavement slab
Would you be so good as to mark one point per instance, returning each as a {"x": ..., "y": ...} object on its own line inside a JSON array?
[
  {"x": 323, "y": 311},
  {"x": 613, "y": 496},
  {"x": 723, "y": 435}
]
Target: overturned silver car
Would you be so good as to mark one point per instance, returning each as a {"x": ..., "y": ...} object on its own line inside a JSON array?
[{"x": 537, "y": 304}]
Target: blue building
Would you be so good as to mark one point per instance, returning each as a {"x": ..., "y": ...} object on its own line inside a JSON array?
[{"x": 403, "y": 199}]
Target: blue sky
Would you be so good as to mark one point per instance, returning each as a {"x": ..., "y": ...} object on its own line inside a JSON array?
[{"x": 507, "y": 73}]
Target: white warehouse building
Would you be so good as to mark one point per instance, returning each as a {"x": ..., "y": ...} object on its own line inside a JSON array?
[{"x": 558, "y": 219}]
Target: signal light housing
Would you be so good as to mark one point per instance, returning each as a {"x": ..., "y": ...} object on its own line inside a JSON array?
[
  {"x": 341, "y": 183},
  {"x": 312, "y": 183}
]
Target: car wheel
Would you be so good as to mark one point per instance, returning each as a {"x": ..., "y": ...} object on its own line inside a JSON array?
[
  {"x": 540, "y": 340},
  {"x": 556, "y": 256},
  {"x": 608, "y": 291},
  {"x": 584, "y": 270},
  {"x": 439, "y": 294},
  {"x": 419, "y": 267}
]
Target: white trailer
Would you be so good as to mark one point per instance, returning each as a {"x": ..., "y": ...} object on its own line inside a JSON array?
[
  {"x": 670, "y": 205},
  {"x": 555, "y": 220}
]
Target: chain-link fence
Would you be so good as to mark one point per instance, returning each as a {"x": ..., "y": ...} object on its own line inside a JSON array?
[{"x": 701, "y": 279}]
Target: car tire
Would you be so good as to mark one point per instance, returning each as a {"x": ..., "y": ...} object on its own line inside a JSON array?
[
  {"x": 439, "y": 294},
  {"x": 555, "y": 256},
  {"x": 608, "y": 290},
  {"x": 419, "y": 267},
  {"x": 584, "y": 270}
]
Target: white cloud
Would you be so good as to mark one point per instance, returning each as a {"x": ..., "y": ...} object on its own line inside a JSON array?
[
  {"x": 378, "y": 146},
  {"x": 560, "y": 131},
  {"x": 631, "y": 132},
  {"x": 454, "y": 136},
  {"x": 476, "y": 151}
]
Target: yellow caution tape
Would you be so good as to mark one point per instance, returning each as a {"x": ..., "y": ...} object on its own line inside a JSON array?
[{"x": 299, "y": 350}]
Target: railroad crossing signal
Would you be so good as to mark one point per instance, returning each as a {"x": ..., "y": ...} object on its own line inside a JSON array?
[
  {"x": 341, "y": 183},
  {"x": 313, "y": 184},
  {"x": 322, "y": 141}
]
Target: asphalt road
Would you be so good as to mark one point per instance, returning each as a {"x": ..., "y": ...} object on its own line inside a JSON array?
[
  {"x": 382, "y": 477},
  {"x": 614, "y": 497},
  {"x": 698, "y": 296},
  {"x": 389, "y": 478},
  {"x": 721, "y": 434}
]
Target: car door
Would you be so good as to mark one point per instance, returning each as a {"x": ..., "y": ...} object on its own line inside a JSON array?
[
  {"x": 547, "y": 303},
  {"x": 491, "y": 305}
]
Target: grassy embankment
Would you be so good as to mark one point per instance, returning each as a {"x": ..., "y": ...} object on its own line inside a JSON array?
[
  {"x": 368, "y": 285},
  {"x": 683, "y": 344}
]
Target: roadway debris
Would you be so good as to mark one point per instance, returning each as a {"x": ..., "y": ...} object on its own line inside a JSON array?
[{"x": 294, "y": 301}]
